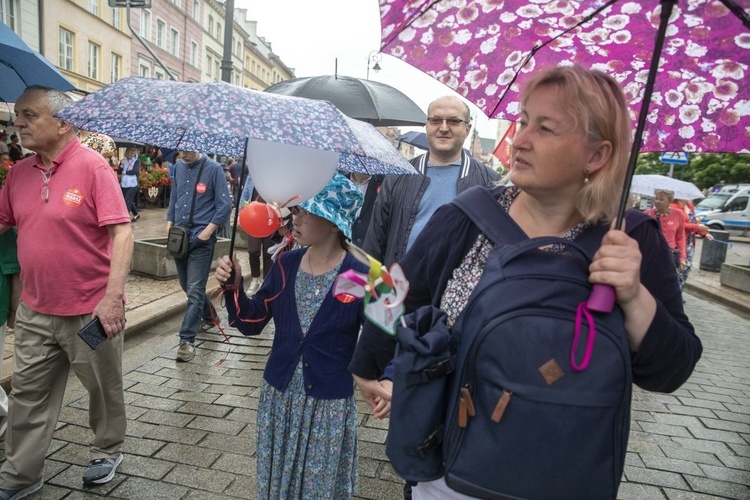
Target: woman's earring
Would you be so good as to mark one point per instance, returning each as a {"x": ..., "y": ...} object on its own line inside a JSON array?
[{"x": 586, "y": 173}]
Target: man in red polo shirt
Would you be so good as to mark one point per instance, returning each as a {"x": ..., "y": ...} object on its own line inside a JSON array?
[{"x": 74, "y": 248}]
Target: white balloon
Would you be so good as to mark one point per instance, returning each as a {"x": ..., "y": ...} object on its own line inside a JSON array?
[{"x": 281, "y": 172}]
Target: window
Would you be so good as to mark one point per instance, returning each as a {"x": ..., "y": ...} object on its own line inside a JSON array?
[
  {"x": 93, "y": 7},
  {"x": 211, "y": 25},
  {"x": 194, "y": 54},
  {"x": 158, "y": 74},
  {"x": 218, "y": 30},
  {"x": 196, "y": 9},
  {"x": 174, "y": 42},
  {"x": 144, "y": 68},
  {"x": 145, "y": 24},
  {"x": 116, "y": 65},
  {"x": 209, "y": 64},
  {"x": 65, "y": 50},
  {"x": 8, "y": 13},
  {"x": 217, "y": 69},
  {"x": 116, "y": 18},
  {"x": 239, "y": 49},
  {"x": 160, "y": 29},
  {"x": 93, "y": 66},
  {"x": 177, "y": 3}
]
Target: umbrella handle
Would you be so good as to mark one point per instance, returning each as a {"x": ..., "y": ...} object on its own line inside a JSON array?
[{"x": 602, "y": 298}]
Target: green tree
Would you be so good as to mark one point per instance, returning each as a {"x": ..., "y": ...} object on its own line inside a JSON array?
[{"x": 703, "y": 169}]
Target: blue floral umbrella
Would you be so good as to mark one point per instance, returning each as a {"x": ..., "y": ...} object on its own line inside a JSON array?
[{"x": 219, "y": 118}]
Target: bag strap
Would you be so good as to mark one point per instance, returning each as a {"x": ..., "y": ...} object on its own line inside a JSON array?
[
  {"x": 485, "y": 212},
  {"x": 480, "y": 205},
  {"x": 195, "y": 192}
]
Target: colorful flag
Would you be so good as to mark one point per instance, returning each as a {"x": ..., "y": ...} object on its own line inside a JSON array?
[{"x": 502, "y": 150}]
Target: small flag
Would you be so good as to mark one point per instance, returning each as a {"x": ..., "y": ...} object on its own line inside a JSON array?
[{"x": 502, "y": 151}]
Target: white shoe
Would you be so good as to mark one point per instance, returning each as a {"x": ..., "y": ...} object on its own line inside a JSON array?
[{"x": 254, "y": 286}]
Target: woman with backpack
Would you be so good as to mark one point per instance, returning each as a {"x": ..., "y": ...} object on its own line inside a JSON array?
[
  {"x": 569, "y": 161},
  {"x": 307, "y": 416}
]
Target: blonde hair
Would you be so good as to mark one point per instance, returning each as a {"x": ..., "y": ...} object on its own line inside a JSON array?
[
  {"x": 666, "y": 192},
  {"x": 596, "y": 103}
]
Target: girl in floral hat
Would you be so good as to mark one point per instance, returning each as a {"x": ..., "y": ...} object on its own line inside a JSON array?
[{"x": 307, "y": 416}]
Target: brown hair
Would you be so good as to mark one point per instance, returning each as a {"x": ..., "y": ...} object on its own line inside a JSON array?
[{"x": 596, "y": 103}]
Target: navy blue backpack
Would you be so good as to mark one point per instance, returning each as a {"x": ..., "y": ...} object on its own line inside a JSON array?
[{"x": 532, "y": 410}]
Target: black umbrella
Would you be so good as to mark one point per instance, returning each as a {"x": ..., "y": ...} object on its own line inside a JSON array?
[{"x": 372, "y": 102}]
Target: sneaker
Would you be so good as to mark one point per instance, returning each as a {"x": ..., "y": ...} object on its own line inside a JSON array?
[
  {"x": 206, "y": 325},
  {"x": 136, "y": 217},
  {"x": 254, "y": 286},
  {"x": 6, "y": 494},
  {"x": 185, "y": 352},
  {"x": 101, "y": 470}
]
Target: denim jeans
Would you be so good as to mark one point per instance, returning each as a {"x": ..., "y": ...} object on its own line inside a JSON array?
[{"x": 192, "y": 273}]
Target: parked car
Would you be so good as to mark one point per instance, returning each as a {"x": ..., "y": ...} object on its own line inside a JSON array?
[{"x": 733, "y": 216}]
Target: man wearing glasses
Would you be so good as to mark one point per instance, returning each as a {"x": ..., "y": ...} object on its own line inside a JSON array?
[
  {"x": 406, "y": 202},
  {"x": 74, "y": 247}
]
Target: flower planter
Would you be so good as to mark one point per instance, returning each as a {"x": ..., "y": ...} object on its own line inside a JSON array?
[
  {"x": 151, "y": 258},
  {"x": 735, "y": 276}
]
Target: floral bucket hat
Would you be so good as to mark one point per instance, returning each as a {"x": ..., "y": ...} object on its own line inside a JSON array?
[{"x": 338, "y": 202}]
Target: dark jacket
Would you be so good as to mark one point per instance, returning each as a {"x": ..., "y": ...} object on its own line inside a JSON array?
[
  {"x": 328, "y": 345},
  {"x": 396, "y": 206},
  {"x": 669, "y": 350},
  {"x": 362, "y": 224}
]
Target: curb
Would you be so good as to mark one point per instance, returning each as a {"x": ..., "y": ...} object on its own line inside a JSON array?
[{"x": 737, "y": 306}]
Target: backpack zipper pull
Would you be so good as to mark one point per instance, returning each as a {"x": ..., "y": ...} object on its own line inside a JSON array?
[
  {"x": 465, "y": 408},
  {"x": 502, "y": 404}
]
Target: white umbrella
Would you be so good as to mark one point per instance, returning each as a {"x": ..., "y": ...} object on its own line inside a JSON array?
[{"x": 647, "y": 184}]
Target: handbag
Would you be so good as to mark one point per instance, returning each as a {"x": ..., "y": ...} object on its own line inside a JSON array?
[
  {"x": 178, "y": 242},
  {"x": 178, "y": 237}
]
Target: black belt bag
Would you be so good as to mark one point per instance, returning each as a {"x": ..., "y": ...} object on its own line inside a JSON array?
[
  {"x": 178, "y": 242},
  {"x": 178, "y": 238}
]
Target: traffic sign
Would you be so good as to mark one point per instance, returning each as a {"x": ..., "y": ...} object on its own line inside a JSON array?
[
  {"x": 135, "y": 4},
  {"x": 678, "y": 158}
]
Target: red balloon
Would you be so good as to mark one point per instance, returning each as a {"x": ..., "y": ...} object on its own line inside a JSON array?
[{"x": 259, "y": 219}]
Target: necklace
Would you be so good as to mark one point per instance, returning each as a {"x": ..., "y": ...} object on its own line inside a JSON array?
[{"x": 320, "y": 280}]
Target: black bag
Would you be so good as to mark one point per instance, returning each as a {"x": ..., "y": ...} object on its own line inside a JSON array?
[
  {"x": 178, "y": 242},
  {"x": 524, "y": 419},
  {"x": 425, "y": 356},
  {"x": 178, "y": 238},
  {"x": 676, "y": 258}
]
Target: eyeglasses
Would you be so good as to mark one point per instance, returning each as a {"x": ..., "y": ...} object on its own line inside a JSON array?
[
  {"x": 452, "y": 122},
  {"x": 45, "y": 187},
  {"x": 300, "y": 214}
]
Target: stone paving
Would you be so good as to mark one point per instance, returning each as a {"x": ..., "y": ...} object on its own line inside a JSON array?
[{"x": 191, "y": 426}]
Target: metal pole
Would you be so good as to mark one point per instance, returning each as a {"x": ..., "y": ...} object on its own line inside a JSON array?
[{"x": 226, "y": 62}]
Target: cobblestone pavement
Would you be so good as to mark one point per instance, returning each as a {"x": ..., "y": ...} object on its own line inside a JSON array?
[{"x": 191, "y": 426}]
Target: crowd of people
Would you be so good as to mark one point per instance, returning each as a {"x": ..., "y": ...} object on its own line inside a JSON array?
[{"x": 569, "y": 161}]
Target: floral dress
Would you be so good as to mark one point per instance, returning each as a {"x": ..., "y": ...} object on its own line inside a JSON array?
[{"x": 306, "y": 447}]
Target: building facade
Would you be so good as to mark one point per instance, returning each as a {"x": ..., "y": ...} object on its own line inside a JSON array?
[{"x": 94, "y": 44}]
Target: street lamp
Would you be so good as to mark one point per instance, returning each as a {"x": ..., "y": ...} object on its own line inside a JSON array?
[{"x": 374, "y": 56}]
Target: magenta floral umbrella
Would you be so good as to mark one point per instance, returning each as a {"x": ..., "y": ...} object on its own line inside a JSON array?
[{"x": 486, "y": 50}]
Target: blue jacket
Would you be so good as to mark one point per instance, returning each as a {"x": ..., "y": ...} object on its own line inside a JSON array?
[{"x": 325, "y": 350}]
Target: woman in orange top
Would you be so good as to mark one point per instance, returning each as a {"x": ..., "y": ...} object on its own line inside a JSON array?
[
  {"x": 692, "y": 228},
  {"x": 672, "y": 225}
]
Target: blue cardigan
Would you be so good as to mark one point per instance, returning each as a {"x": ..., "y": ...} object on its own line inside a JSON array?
[{"x": 328, "y": 346}]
